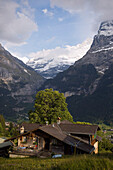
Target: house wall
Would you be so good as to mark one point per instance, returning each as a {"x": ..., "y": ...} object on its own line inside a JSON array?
[
  {"x": 47, "y": 142},
  {"x": 96, "y": 147},
  {"x": 57, "y": 146},
  {"x": 25, "y": 140},
  {"x": 69, "y": 150},
  {"x": 41, "y": 143},
  {"x": 19, "y": 141},
  {"x": 31, "y": 141}
]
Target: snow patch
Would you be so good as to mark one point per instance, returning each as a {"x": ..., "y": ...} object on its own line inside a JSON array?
[
  {"x": 58, "y": 57},
  {"x": 26, "y": 71},
  {"x": 106, "y": 28},
  {"x": 102, "y": 49}
]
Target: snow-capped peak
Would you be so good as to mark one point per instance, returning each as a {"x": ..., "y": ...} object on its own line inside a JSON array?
[
  {"x": 50, "y": 62},
  {"x": 106, "y": 28}
]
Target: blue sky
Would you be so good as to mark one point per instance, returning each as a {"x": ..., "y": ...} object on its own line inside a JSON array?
[{"x": 28, "y": 26}]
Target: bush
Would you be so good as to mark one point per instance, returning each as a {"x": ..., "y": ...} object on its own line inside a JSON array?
[{"x": 105, "y": 144}]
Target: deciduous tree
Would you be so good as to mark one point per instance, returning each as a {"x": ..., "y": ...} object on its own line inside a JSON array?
[{"x": 49, "y": 105}]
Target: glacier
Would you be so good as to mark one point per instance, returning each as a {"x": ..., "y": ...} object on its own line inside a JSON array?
[{"x": 52, "y": 61}]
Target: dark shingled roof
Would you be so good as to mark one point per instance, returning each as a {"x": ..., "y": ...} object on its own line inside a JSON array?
[
  {"x": 66, "y": 126},
  {"x": 79, "y": 128},
  {"x": 6, "y": 144},
  {"x": 85, "y": 147},
  {"x": 30, "y": 126},
  {"x": 56, "y": 132},
  {"x": 66, "y": 122}
]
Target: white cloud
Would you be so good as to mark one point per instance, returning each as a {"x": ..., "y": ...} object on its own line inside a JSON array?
[
  {"x": 69, "y": 5},
  {"x": 16, "y": 21},
  {"x": 53, "y": 57},
  {"x": 48, "y": 13},
  {"x": 8, "y": 45},
  {"x": 45, "y": 11},
  {"x": 98, "y": 10},
  {"x": 60, "y": 19},
  {"x": 51, "y": 39}
]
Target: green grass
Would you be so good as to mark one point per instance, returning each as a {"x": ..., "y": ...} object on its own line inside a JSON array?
[{"x": 79, "y": 162}]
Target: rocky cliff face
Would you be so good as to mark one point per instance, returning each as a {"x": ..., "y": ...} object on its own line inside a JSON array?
[
  {"x": 18, "y": 84},
  {"x": 81, "y": 82},
  {"x": 101, "y": 51},
  {"x": 99, "y": 57}
]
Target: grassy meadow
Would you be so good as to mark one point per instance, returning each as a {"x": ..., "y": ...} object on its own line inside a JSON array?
[{"x": 77, "y": 162}]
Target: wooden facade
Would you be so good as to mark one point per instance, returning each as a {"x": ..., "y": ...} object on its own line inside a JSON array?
[
  {"x": 40, "y": 141},
  {"x": 62, "y": 138}
]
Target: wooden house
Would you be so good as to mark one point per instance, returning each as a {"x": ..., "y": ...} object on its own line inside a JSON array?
[
  {"x": 88, "y": 133},
  {"x": 4, "y": 147},
  {"x": 59, "y": 138}
]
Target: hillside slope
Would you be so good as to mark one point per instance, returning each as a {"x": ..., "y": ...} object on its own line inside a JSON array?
[
  {"x": 18, "y": 85},
  {"x": 86, "y": 83}
]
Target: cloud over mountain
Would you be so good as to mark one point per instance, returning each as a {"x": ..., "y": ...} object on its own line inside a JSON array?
[
  {"x": 99, "y": 9},
  {"x": 49, "y": 62}
]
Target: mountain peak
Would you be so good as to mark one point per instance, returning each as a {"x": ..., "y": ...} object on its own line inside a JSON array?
[
  {"x": 106, "y": 28},
  {"x": 50, "y": 62},
  {"x": 1, "y": 47}
]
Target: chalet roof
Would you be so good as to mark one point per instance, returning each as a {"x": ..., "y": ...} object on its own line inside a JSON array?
[
  {"x": 85, "y": 147},
  {"x": 56, "y": 132},
  {"x": 80, "y": 144},
  {"x": 67, "y": 127},
  {"x": 6, "y": 144},
  {"x": 79, "y": 128},
  {"x": 30, "y": 126},
  {"x": 66, "y": 122}
]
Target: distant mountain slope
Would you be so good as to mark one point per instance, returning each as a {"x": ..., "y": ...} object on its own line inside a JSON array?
[
  {"x": 50, "y": 62},
  {"x": 97, "y": 106},
  {"x": 18, "y": 84},
  {"x": 88, "y": 83},
  {"x": 77, "y": 80}
]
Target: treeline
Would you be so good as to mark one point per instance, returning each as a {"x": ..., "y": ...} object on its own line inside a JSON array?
[{"x": 7, "y": 130}]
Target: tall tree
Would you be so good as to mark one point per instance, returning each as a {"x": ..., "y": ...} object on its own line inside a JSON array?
[
  {"x": 2, "y": 121},
  {"x": 49, "y": 105},
  {"x": 1, "y": 129}
]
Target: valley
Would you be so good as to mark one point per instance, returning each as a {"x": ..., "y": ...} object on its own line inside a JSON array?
[{"x": 87, "y": 84}]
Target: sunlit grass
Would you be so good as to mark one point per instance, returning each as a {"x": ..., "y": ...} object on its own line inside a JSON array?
[{"x": 84, "y": 162}]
